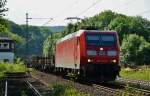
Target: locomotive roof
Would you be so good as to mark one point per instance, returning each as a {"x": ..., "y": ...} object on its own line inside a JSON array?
[{"x": 78, "y": 33}]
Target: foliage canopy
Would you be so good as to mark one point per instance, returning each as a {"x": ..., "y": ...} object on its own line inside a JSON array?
[
  {"x": 2, "y": 8},
  {"x": 135, "y": 49}
]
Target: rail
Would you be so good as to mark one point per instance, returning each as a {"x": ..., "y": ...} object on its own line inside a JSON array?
[
  {"x": 16, "y": 82},
  {"x": 36, "y": 92},
  {"x": 106, "y": 91},
  {"x": 140, "y": 83},
  {"x": 6, "y": 87},
  {"x": 129, "y": 91}
]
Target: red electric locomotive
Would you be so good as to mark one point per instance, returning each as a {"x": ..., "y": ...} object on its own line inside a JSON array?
[{"x": 93, "y": 54}]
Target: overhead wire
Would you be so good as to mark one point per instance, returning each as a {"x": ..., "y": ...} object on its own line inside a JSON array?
[
  {"x": 95, "y": 3},
  {"x": 89, "y": 8},
  {"x": 66, "y": 9},
  {"x": 77, "y": 16},
  {"x": 62, "y": 12},
  {"x": 92, "y": 5},
  {"x": 79, "y": 13},
  {"x": 84, "y": 11}
]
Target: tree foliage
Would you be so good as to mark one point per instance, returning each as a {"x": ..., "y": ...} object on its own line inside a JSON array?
[
  {"x": 18, "y": 33},
  {"x": 124, "y": 25},
  {"x": 2, "y": 21},
  {"x": 4, "y": 30},
  {"x": 49, "y": 44},
  {"x": 36, "y": 37},
  {"x": 2, "y": 7},
  {"x": 135, "y": 49}
]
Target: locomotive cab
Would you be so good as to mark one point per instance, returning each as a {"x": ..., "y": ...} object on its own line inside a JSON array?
[
  {"x": 103, "y": 47},
  {"x": 101, "y": 55}
]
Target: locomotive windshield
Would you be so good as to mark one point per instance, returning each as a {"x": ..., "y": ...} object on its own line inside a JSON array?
[{"x": 100, "y": 39}]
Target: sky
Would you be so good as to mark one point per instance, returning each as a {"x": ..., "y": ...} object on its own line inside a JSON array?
[{"x": 59, "y": 10}]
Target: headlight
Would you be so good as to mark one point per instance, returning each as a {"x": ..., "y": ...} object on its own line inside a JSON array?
[
  {"x": 114, "y": 61},
  {"x": 112, "y": 53},
  {"x": 89, "y": 60},
  {"x": 91, "y": 53}
]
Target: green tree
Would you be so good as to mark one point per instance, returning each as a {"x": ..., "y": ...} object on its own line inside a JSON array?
[
  {"x": 3, "y": 23},
  {"x": 130, "y": 25},
  {"x": 103, "y": 19},
  {"x": 2, "y": 29},
  {"x": 143, "y": 26},
  {"x": 2, "y": 7},
  {"x": 49, "y": 44},
  {"x": 100, "y": 21},
  {"x": 69, "y": 29},
  {"x": 121, "y": 25},
  {"x": 143, "y": 56},
  {"x": 36, "y": 37},
  {"x": 135, "y": 49}
]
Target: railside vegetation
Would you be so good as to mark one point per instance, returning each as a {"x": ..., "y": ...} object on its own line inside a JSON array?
[
  {"x": 7, "y": 67},
  {"x": 138, "y": 74},
  {"x": 66, "y": 90}
]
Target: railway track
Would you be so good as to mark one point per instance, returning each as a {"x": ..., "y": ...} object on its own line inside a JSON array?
[
  {"x": 107, "y": 91},
  {"x": 126, "y": 91},
  {"x": 17, "y": 84},
  {"x": 137, "y": 83},
  {"x": 39, "y": 88},
  {"x": 127, "y": 87},
  {"x": 94, "y": 89},
  {"x": 35, "y": 92}
]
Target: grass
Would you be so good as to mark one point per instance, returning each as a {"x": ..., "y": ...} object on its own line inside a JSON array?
[
  {"x": 142, "y": 74},
  {"x": 7, "y": 67},
  {"x": 66, "y": 90}
]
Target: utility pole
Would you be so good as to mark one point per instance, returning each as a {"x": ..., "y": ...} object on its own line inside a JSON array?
[{"x": 27, "y": 33}]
